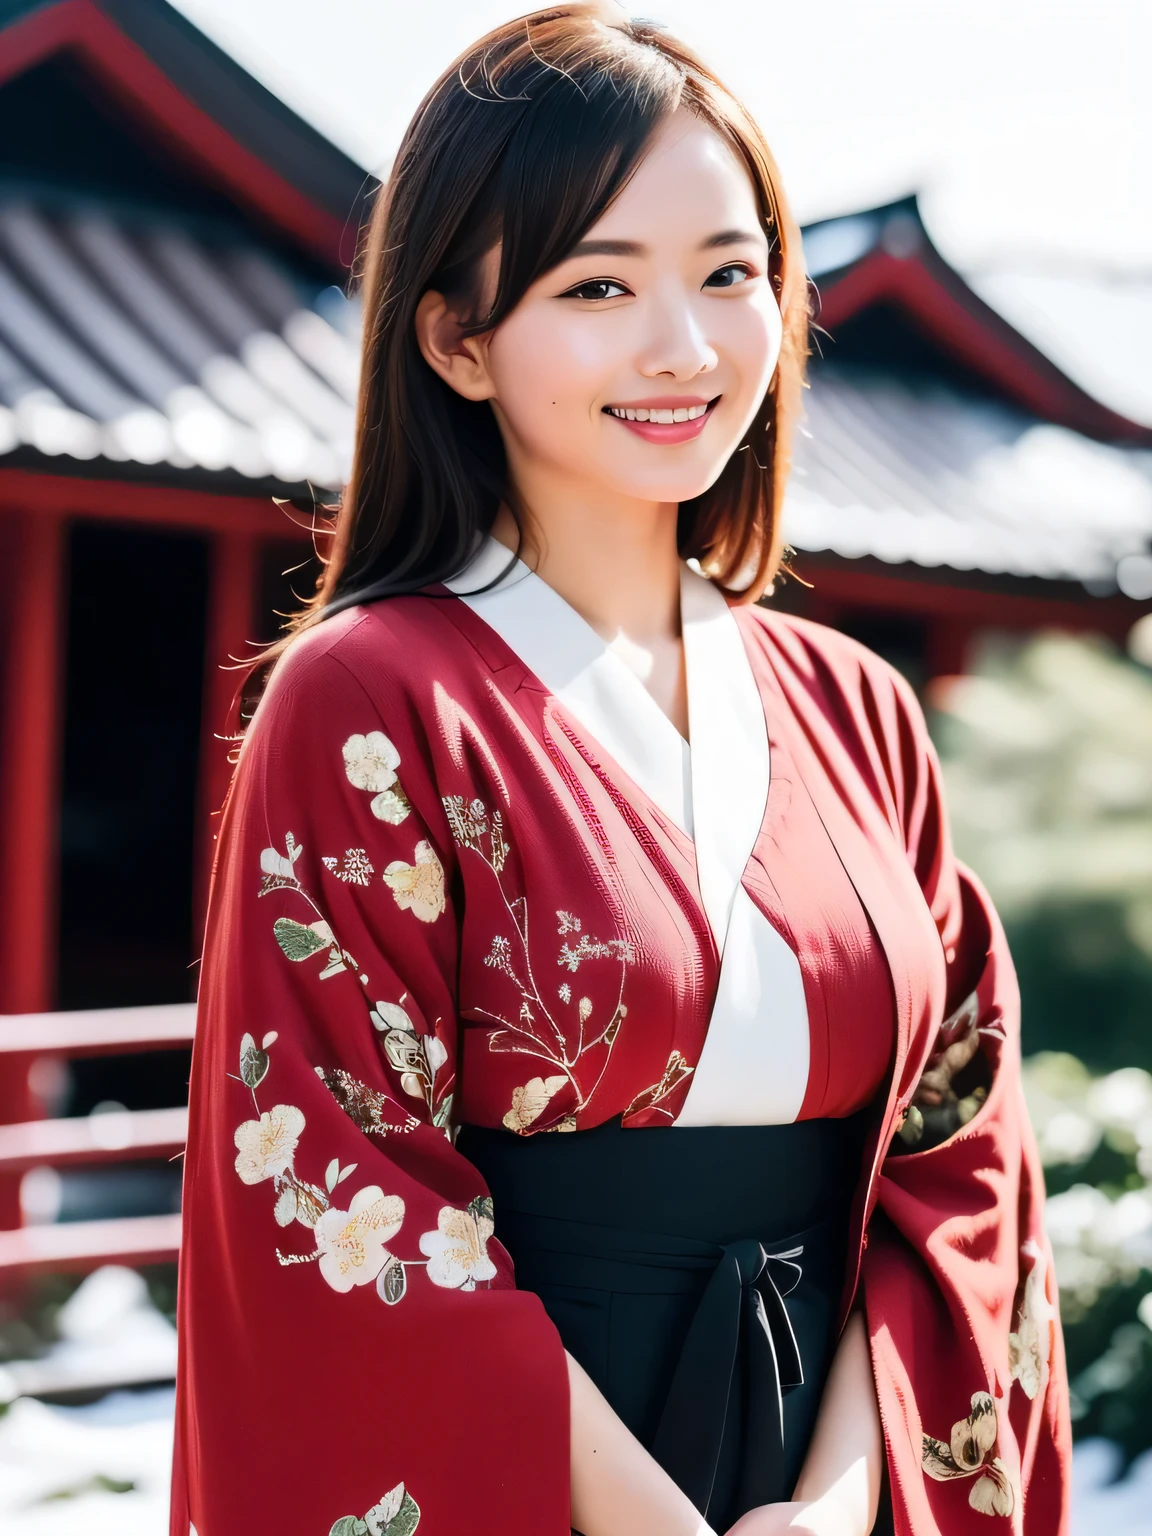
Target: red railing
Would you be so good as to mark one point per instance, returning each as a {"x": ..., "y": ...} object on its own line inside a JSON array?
[{"x": 92, "y": 1139}]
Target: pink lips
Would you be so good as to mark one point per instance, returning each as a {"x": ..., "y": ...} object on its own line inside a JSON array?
[{"x": 667, "y": 432}]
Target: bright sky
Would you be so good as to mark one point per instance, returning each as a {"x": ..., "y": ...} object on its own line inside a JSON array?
[{"x": 1019, "y": 122}]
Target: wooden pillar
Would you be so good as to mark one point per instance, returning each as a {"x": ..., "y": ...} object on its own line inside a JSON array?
[
  {"x": 31, "y": 687},
  {"x": 230, "y": 630},
  {"x": 30, "y": 741}
]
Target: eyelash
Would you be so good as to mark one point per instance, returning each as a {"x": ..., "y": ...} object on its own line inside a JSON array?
[
  {"x": 580, "y": 291},
  {"x": 732, "y": 266}
]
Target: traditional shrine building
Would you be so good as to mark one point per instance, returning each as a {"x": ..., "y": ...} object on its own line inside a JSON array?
[
  {"x": 176, "y": 353},
  {"x": 172, "y": 245},
  {"x": 950, "y": 478}
]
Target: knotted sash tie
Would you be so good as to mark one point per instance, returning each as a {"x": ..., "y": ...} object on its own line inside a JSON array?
[
  {"x": 740, "y": 1318},
  {"x": 741, "y": 1312}
]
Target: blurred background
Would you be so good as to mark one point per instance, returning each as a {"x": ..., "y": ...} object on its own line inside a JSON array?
[{"x": 180, "y": 190}]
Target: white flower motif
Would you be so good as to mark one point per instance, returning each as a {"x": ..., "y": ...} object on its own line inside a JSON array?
[
  {"x": 356, "y": 868},
  {"x": 530, "y": 1102},
  {"x": 391, "y": 805},
  {"x": 371, "y": 761},
  {"x": 418, "y": 887},
  {"x": 1030, "y": 1347},
  {"x": 457, "y": 1251},
  {"x": 266, "y": 1147},
  {"x": 405, "y": 1055},
  {"x": 279, "y": 866},
  {"x": 351, "y": 1242},
  {"x": 387, "y": 1016},
  {"x": 416, "y": 1057},
  {"x": 969, "y": 1454}
]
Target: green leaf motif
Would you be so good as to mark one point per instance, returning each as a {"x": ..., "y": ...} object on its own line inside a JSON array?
[
  {"x": 443, "y": 1113},
  {"x": 392, "y": 1282},
  {"x": 481, "y": 1209},
  {"x": 402, "y": 1523},
  {"x": 253, "y": 1063},
  {"x": 406, "y": 1518},
  {"x": 297, "y": 940}
]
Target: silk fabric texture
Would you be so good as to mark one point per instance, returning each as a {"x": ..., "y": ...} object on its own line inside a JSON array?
[{"x": 439, "y": 898}]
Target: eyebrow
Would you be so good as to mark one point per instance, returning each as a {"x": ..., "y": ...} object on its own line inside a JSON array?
[
  {"x": 730, "y": 237},
  {"x": 634, "y": 247}
]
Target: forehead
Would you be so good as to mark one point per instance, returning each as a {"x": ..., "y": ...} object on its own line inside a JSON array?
[{"x": 689, "y": 184}]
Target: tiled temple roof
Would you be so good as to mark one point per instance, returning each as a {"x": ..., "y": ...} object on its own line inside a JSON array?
[{"x": 136, "y": 338}]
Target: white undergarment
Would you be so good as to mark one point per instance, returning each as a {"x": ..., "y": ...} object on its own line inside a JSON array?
[{"x": 753, "y": 1069}]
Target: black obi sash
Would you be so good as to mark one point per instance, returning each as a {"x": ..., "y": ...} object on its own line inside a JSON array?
[{"x": 696, "y": 1275}]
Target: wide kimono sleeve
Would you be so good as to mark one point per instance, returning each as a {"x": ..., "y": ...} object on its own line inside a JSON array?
[
  {"x": 355, "y": 1357},
  {"x": 960, "y": 1292}
]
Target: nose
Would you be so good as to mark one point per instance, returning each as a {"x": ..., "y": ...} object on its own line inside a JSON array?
[{"x": 675, "y": 344}]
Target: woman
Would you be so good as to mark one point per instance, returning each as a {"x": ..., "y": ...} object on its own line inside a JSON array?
[{"x": 586, "y": 951}]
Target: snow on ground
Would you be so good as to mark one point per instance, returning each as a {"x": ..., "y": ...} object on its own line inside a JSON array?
[
  {"x": 1103, "y": 1507},
  {"x": 104, "y": 1468},
  {"x": 58, "y": 1466},
  {"x": 52, "y": 1461}
]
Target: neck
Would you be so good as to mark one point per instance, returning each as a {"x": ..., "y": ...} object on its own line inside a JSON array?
[{"x": 617, "y": 566}]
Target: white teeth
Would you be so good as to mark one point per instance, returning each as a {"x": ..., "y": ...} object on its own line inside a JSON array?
[{"x": 662, "y": 417}]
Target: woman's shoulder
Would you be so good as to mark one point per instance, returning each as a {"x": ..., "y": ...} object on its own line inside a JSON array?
[
  {"x": 375, "y": 658},
  {"x": 835, "y": 674},
  {"x": 858, "y": 710},
  {"x": 795, "y": 638},
  {"x": 382, "y": 646}
]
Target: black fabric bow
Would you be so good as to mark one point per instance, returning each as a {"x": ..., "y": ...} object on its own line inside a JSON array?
[{"x": 740, "y": 1317}]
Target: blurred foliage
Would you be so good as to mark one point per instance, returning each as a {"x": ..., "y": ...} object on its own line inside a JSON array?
[
  {"x": 1047, "y": 753},
  {"x": 1086, "y": 982},
  {"x": 28, "y": 1320},
  {"x": 1095, "y": 1136}
]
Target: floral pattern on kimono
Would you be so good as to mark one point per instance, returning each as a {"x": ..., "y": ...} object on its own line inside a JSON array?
[{"x": 437, "y": 902}]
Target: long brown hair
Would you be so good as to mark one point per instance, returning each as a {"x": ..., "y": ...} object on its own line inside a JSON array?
[{"x": 526, "y": 140}]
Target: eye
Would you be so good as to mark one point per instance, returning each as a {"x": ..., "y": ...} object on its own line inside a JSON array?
[
  {"x": 729, "y": 276},
  {"x": 597, "y": 288}
]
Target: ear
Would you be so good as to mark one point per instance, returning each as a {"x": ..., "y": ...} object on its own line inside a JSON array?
[{"x": 461, "y": 361}]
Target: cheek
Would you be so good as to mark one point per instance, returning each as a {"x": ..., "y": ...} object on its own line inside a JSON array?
[
  {"x": 752, "y": 343},
  {"x": 546, "y": 369}
]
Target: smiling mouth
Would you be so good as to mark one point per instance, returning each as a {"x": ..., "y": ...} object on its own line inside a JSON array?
[
  {"x": 665, "y": 417},
  {"x": 680, "y": 421}
]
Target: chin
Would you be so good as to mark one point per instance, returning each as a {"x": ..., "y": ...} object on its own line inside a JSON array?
[{"x": 668, "y": 484}]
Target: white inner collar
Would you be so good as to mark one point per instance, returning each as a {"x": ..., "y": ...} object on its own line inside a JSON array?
[{"x": 715, "y": 789}]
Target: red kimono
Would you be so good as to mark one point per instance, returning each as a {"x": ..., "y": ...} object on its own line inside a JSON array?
[{"x": 440, "y": 899}]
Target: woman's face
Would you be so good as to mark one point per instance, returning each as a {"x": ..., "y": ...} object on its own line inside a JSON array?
[{"x": 639, "y": 362}]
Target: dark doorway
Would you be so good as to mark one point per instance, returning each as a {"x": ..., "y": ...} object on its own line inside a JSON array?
[
  {"x": 902, "y": 639},
  {"x": 289, "y": 572},
  {"x": 135, "y": 659}
]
